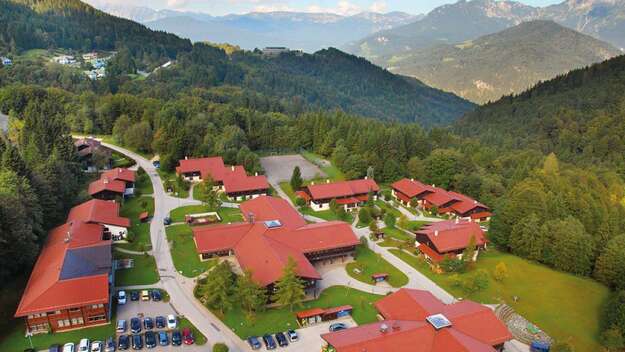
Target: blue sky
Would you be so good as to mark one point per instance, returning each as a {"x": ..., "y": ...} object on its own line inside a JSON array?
[{"x": 221, "y": 7}]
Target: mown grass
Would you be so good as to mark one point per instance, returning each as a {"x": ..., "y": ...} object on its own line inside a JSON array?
[
  {"x": 144, "y": 271},
  {"x": 368, "y": 263},
  {"x": 331, "y": 171},
  {"x": 140, "y": 231},
  {"x": 183, "y": 251}
]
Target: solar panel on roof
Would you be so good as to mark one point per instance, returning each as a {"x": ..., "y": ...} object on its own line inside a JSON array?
[
  {"x": 272, "y": 224},
  {"x": 438, "y": 321}
]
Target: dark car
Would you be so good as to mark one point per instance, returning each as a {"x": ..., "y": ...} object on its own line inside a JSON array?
[
  {"x": 282, "y": 341},
  {"x": 337, "y": 327},
  {"x": 167, "y": 220},
  {"x": 29, "y": 350},
  {"x": 150, "y": 339},
  {"x": 187, "y": 336},
  {"x": 292, "y": 335},
  {"x": 137, "y": 342},
  {"x": 163, "y": 339},
  {"x": 54, "y": 348},
  {"x": 134, "y": 295},
  {"x": 270, "y": 344},
  {"x": 160, "y": 321},
  {"x": 176, "y": 338},
  {"x": 156, "y": 295},
  {"x": 135, "y": 325},
  {"x": 148, "y": 323},
  {"x": 123, "y": 342},
  {"x": 254, "y": 342},
  {"x": 109, "y": 344}
]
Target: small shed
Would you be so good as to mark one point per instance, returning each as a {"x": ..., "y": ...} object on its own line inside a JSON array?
[
  {"x": 337, "y": 312},
  {"x": 310, "y": 316},
  {"x": 379, "y": 277},
  {"x": 144, "y": 217}
]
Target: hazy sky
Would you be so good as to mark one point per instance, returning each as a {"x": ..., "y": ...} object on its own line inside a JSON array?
[{"x": 221, "y": 7}]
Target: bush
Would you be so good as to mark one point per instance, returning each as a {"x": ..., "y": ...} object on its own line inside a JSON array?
[
  {"x": 220, "y": 347},
  {"x": 364, "y": 215},
  {"x": 387, "y": 194},
  {"x": 501, "y": 272},
  {"x": 477, "y": 282},
  {"x": 364, "y": 242},
  {"x": 300, "y": 202},
  {"x": 389, "y": 220},
  {"x": 453, "y": 265}
]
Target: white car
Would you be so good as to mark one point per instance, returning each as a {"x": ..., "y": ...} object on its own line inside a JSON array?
[
  {"x": 68, "y": 347},
  {"x": 84, "y": 345},
  {"x": 121, "y": 297},
  {"x": 171, "y": 322},
  {"x": 96, "y": 346}
]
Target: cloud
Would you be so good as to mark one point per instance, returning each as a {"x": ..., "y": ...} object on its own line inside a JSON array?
[
  {"x": 273, "y": 8},
  {"x": 177, "y": 4},
  {"x": 378, "y": 6},
  {"x": 342, "y": 7}
]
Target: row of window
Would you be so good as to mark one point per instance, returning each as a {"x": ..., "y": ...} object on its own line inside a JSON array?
[
  {"x": 78, "y": 321},
  {"x": 71, "y": 310},
  {"x": 40, "y": 327}
]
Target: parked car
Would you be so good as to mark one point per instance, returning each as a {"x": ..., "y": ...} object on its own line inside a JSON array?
[
  {"x": 150, "y": 339},
  {"x": 121, "y": 297},
  {"x": 137, "y": 342},
  {"x": 68, "y": 347},
  {"x": 135, "y": 325},
  {"x": 167, "y": 221},
  {"x": 337, "y": 327},
  {"x": 254, "y": 342},
  {"x": 121, "y": 326},
  {"x": 134, "y": 295},
  {"x": 163, "y": 339},
  {"x": 270, "y": 344},
  {"x": 83, "y": 345},
  {"x": 54, "y": 348},
  {"x": 156, "y": 295},
  {"x": 148, "y": 323},
  {"x": 97, "y": 346},
  {"x": 187, "y": 336},
  {"x": 292, "y": 335},
  {"x": 171, "y": 322},
  {"x": 282, "y": 342},
  {"x": 176, "y": 338},
  {"x": 145, "y": 295},
  {"x": 123, "y": 342},
  {"x": 160, "y": 322},
  {"x": 109, "y": 345}
]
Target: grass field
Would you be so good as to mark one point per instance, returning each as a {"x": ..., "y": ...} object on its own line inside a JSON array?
[
  {"x": 564, "y": 305},
  {"x": 179, "y": 191},
  {"x": 131, "y": 209},
  {"x": 183, "y": 252},
  {"x": 330, "y": 170},
  {"x": 281, "y": 319},
  {"x": 144, "y": 184},
  {"x": 119, "y": 160},
  {"x": 397, "y": 234},
  {"x": 144, "y": 271},
  {"x": 226, "y": 214},
  {"x": 369, "y": 263}
]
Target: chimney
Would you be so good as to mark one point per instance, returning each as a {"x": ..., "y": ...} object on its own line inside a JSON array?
[
  {"x": 396, "y": 326},
  {"x": 366, "y": 177},
  {"x": 256, "y": 174},
  {"x": 433, "y": 185},
  {"x": 435, "y": 233},
  {"x": 457, "y": 220},
  {"x": 232, "y": 167},
  {"x": 412, "y": 179},
  {"x": 312, "y": 183},
  {"x": 105, "y": 181},
  {"x": 250, "y": 217},
  {"x": 383, "y": 328},
  {"x": 68, "y": 237},
  {"x": 328, "y": 181},
  {"x": 475, "y": 202},
  {"x": 186, "y": 157}
]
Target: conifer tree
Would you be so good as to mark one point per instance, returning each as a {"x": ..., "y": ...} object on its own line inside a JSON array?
[{"x": 290, "y": 289}]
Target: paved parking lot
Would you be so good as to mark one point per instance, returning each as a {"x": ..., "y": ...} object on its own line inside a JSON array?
[
  {"x": 280, "y": 168},
  {"x": 310, "y": 338}
]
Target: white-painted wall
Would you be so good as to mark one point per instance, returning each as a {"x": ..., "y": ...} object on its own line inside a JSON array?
[{"x": 116, "y": 230}]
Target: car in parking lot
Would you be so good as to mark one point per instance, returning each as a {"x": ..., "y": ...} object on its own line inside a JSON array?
[
  {"x": 54, "y": 348},
  {"x": 150, "y": 339},
  {"x": 176, "y": 338},
  {"x": 163, "y": 339},
  {"x": 337, "y": 327},
  {"x": 292, "y": 335},
  {"x": 83, "y": 345},
  {"x": 270, "y": 343},
  {"x": 187, "y": 336},
  {"x": 121, "y": 326},
  {"x": 96, "y": 346},
  {"x": 121, "y": 297},
  {"x": 69, "y": 347},
  {"x": 171, "y": 322},
  {"x": 109, "y": 345},
  {"x": 135, "y": 325},
  {"x": 148, "y": 323},
  {"x": 123, "y": 342},
  {"x": 137, "y": 342},
  {"x": 281, "y": 338},
  {"x": 160, "y": 322},
  {"x": 134, "y": 295},
  {"x": 145, "y": 295},
  {"x": 254, "y": 342},
  {"x": 156, "y": 295}
]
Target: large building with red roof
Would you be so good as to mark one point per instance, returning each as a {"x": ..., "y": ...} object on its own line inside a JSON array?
[
  {"x": 350, "y": 194},
  {"x": 71, "y": 283},
  {"x": 445, "y": 202},
  {"x": 272, "y": 233},
  {"x": 87, "y": 148},
  {"x": 112, "y": 184},
  {"x": 416, "y": 321},
  {"x": 233, "y": 180},
  {"x": 448, "y": 239},
  {"x": 103, "y": 212}
]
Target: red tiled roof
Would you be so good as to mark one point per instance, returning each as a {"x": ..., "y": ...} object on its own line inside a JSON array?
[
  {"x": 303, "y": 195},
  {"x": 465, "y": 204},
  {"x": 411, "y": 188},
  {"x": 46, "y": 291},
  {"x": 265, "y": 251},
  {"x": 233, "y": 178},
  {"x": 342, "y": 189},
  {"x": 245, "y": 184},
  {"x": 119, "y": 173},
  {"x": 313, "y": 312},
  {"x": 453, "y": 234},
  {"x": 473, "y": 327},
  {"x": 99, "y": 212},
  {"x": 350, "y": 200},
  {"x": 440, "y": 197},
  {"x": 105, "y": 184},
  {"x": 213, "y": 167},
  {"x": 481, "y": 215},
  {"x": 432, "y": 254},
  {"x": 335, "y": 310}
]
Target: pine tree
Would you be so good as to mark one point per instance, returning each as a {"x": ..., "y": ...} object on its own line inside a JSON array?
[
  {"x": 251, "y": 296},
  {"x": 469, "y": 252},
  {"x": 296, "y": 179},
  {"x": 217, "y": 293},
  {"x": 290, "y": 289}
]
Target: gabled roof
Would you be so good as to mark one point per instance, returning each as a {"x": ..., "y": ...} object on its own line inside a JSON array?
[
  {"x": 106, "y": 184},
  {"x": 342, "y": 189},
  {"x": 265, "y": 249},
  {"x": 452, "y": 235},
  {"x": 465, "y": 204},
  {"x": 440, "y": 197},
  {"x": 234, "y": 178},
  {"x": 213, "y": 167},
  {"x": 99, "y": 212},
  {"x": 119, "y": 173},
  {"x": 474, "y": 328},
  {"x": 71, "y": 271},
  {"x": 412, "y": 188}
]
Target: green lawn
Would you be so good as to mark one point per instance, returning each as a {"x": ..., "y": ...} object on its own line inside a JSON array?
[
  {"x": 183, "y": 251},
  {"x": 564, "y": 305},
  {"x": 140, "y": 232},
  {"x": 16, "y": 342},
  {"x": 226, "y": 214},
  {"x": 281, "y": 319},
  {"x": 179, "y": 190},
  {"x": 119, "y": 160},
  {"x": 388, "y": 208},
  {"x": 397, "y": 234},
  {"x": 331, "y": 171},
  {"x": 144, "y": 184},
  {"x": 415, "y": 225},
  {"x": 369, "y": 263},
  {"x": 144, "y": 271}
]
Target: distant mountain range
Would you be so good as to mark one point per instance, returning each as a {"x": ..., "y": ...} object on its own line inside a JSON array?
[
  {"x": 506, "y": 62},
  {"x": 306, "y": 31}
]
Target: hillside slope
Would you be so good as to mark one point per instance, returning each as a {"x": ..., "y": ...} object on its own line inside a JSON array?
[{"x": 503, "y": 63}]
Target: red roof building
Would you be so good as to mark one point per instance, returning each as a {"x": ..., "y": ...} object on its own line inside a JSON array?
[
  {"x": 118, "y": 182},
  {"x": 273, "y": 233},
  {"x": 416, "y": 321},
  {"x": 439, "y": 240},
  {"x": 350, "y": 194},
  {"x": 70, "y": 285},
  {"x": 231, "y": 179},
  {"x": 103, "y": 212},
  {"x": 118, "y": 173}
]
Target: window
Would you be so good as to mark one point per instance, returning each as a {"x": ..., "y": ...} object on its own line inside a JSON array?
[
  {"x": 97, "y": 318},
  {"x": 63, "y": 323},
  {"x": 96, "y": 306},
  {"x": 39, "y": 327},
  {"x": 74, "y": 310},
  {"x": 77, "y": 321}
]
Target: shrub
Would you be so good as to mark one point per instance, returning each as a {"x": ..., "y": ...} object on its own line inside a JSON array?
[
  {"x": 389, "y": 220},
  {"x": 364, "y": 215},
  {"x": 501, "y": 272},
  {"x": 300, "y": 202},
  {"x": 220, "y": 347},
  {"x": 453, "y": 265}
]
